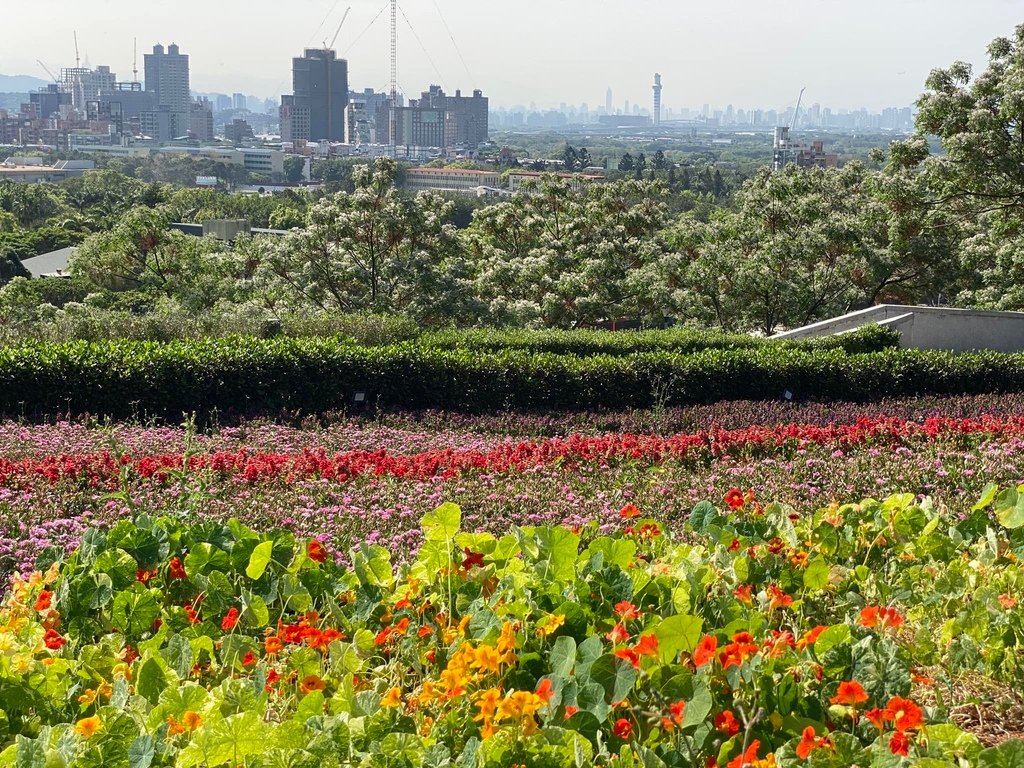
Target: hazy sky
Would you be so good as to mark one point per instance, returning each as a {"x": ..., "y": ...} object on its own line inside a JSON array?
[{"x": 847, "y": 53}]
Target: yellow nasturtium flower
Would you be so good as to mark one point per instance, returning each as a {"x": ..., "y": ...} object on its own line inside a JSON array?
[
  {"x": 393, "y": 698},
  {"x": 88, "y": 727}
]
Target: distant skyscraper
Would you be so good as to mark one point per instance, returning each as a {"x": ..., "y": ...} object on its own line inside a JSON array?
[
  {"x": 608, "y": 105},
  {"x": 167, "y": 79},
  {"x": 657, "y": 99},
  {"x": 320, "y": 95},
  {"x": 625, "y": 111},
  {"x": 238, "y": 101}
]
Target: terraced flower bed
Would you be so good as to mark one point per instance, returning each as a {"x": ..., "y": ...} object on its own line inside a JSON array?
[{"x": 758, "y": 635}]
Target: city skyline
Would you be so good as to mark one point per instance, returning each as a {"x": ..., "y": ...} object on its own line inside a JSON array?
[{"x": 874, "y": 63}]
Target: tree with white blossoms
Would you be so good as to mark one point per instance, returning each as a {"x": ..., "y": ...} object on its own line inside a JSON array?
[
  {"x": 978, "y": 180},
  {"x": 555, "y": 257},
  {"x": 373, "y": 250},
  {"x": 800, "y": 246}
]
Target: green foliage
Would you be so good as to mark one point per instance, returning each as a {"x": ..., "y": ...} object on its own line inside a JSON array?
[
  {"x": 244, "y": 375},
  {"x": 491, "y": 652}
]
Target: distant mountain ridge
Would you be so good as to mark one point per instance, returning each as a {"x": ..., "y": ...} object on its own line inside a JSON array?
[{"x": 20, "y": 83}]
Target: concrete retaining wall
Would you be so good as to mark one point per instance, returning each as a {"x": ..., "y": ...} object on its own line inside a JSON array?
[{"x": 959, "y": 330}]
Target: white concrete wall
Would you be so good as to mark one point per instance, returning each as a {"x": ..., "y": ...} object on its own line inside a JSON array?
[{"x": 959, "y": 330}]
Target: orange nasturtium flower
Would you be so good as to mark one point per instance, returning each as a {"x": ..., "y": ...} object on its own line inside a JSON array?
[
  {"x": 393, "y": 698},
  {"x": 88, "y": 727},
  {"x": 873, "y": 616},
  {"x": 904, "y": 713},
  {"x": 311, "y": 683},
  {"x": 191, "y": 720},
  {"x": 850, "y": 693},
  {"x": 43, "y": 601},
  {"x": 629, "y": 511}
]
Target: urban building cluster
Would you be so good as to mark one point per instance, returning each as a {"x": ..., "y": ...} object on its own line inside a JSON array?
[
  {"x": 321, "y": 108},
  {"x": 91, "y": 110}
]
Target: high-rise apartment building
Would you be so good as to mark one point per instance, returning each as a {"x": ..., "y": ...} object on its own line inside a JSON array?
[
  {"x": 167, "y": 78},
  {"x": 238, "y": 101},
  {"x": 315, "y": 110},
  {"x": 439, "y": 120}
]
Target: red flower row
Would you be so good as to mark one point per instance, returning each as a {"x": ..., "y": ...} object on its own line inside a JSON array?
[{"x": 104, "y": 468}]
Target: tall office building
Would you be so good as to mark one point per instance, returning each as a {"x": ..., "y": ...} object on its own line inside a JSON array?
[
  {"x": 167, "y": 79},
  {"x": 315, "y": 110},
  {"x": 238, "y": 101},
  {"x": 609, "y": 107}
]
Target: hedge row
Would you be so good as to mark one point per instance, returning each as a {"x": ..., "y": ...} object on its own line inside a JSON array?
[
  {"x": 246, "y": 376},
  {"x": 872, "y": 338}
]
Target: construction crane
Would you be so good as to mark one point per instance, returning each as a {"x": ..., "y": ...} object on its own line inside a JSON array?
[
  {"x": 337, "y": 31},
  {"x": 78, "y": 60},
  {"x": 55, "y": 79},
  {"x": 796, "y": 113}
]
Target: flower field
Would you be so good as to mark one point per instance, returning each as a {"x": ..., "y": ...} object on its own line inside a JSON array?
[{"x": 440, "y": 590}]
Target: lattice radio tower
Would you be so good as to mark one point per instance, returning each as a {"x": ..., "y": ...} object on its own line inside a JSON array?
[{"x": 394, "y": 74}]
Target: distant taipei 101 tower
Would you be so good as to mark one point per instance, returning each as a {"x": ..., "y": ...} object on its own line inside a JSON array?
[{"x": 608, "y": 108}]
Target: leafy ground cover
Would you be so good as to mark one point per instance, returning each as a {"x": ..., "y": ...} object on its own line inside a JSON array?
[
  {"x": 274, "y": 595},
  {"x": 757, "y": 635}
]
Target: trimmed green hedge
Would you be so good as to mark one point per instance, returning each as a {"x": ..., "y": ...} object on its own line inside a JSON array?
[
  {"x": 872, "y": 338},
  {"x": 248, "y": 375}
]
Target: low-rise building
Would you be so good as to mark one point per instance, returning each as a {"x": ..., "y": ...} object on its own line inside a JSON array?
[
  {"x": 461, "y": 180},
  {"x": 32, "y": 169}
]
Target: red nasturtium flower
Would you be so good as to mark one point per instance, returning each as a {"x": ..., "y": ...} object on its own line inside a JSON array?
[
  {"x": 876, "y": 717},
  {"x": 734, "y": 498},
  {"x": 777, "y": 598},
  {"x": 623, "y": 728},
  {"x": 873, "y": 616},
  {"x": 647, "y": 646},
  {"x": 315, "y": 551},
  {"x": 544, "y": 690},
  {"x": 629, "y": 511},
  {"x": 44, "y": 600},
  {"x": 249, "y": 660},
  {"x": 747, "y": 757},
  {"x": 145, "y": 575},
  {"x": 618, "y": 635},
  {"x": 899, "y": 744},
  {"x": 850, "y": 693},
  {"x": 53, "y": 640},
  {"x": 230, "y": 619},
  {"x": 472, "y": 559},
  {"x": 627, "y": 611},
  {"x": 743, "y": 593},
  {"x": 177, "y": 569},
  {"x": 738, "y": 651},
  {"x": 726, "y": 723},
  {"x": 705, "y": 651},
  {"x": 808, "y": 741}
]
